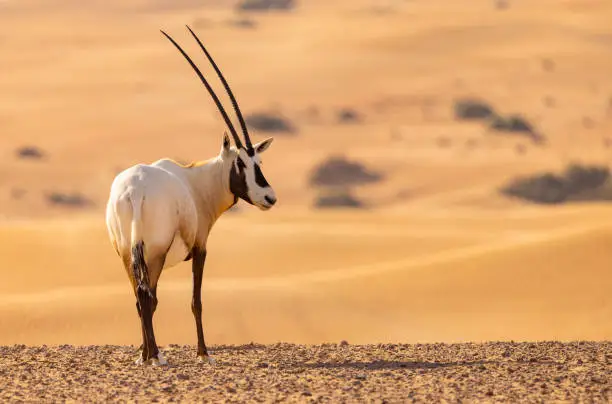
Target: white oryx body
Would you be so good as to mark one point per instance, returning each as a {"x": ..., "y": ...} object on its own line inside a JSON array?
[
  {"x": 161, "y": 214},
  {"x": 172, "y": 207},
  {"x": 171, "y": 214}
]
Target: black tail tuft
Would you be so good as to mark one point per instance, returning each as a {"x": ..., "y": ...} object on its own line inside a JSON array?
[{"x": 140, "y": 270}]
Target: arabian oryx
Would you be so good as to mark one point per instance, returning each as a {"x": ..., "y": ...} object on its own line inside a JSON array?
[{"x": 161, "y": 214}]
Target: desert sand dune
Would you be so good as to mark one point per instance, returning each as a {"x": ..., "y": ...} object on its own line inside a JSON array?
[
  {"x": 437, "y": 255},
  {"x": 522, "y": 284}
]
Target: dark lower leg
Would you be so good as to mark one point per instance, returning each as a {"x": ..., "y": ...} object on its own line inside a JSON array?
[
  {"x": 142, "y": 328},
  {"x": 147, "y": 302},
  {"x": 199, "y": 257},
  {"x": 144, "y": 338}
]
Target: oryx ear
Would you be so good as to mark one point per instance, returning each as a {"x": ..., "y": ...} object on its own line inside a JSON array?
[
  {"x": 263, "y": 145},
  {"x": 226, "y": 143}
]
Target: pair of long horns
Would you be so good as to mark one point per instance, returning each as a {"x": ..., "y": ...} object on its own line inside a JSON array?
[{"x": 214, "y": 96}]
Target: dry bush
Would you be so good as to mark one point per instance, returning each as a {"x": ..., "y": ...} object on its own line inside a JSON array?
[
  {"x": 581, "y": 178},
  {"x": 515, "y": 124},
  {"x": 70, "y": 200},
  {"x": 348, "y": 115},
  {"x": 269, "y": 122},
  {"x": 471, "y": 143},
  {"x": 443, "y": 141},
  {"x": 338, "y": 198},
  {"x": 338, "y": 171},
  {"x": 543, "y": 188},
  {"x": 520, "y": 149},
  {"x": 588, "y": 122},
  {"x": 512, "y": 123},
  {"x": 549, "y": 101},
  {"x": 472, "y": 109},
  {"x": 243, "y": 23},
  {"x": 548, "y": 64},
  {"x": 17, "y": 193},
  {"x": 30, "y": 152},
  {"x": 266, "y": 5},
  {"x": 502, "y": 4},
  {"x": 577, "y": 182}
]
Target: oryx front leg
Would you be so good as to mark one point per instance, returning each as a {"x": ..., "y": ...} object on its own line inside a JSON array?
[{"x": 197, "y": 265}]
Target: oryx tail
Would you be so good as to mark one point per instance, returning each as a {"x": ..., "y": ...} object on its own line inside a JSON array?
[{"x": 140, "y": 270}]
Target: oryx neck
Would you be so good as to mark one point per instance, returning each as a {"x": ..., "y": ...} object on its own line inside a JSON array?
[{"x": 209, "y": 182}]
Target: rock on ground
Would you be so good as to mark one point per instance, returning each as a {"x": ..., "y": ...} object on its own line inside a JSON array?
[{"x": 491, "y": 372}]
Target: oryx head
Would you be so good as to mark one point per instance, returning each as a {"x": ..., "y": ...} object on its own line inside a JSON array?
[{"x": 246, "y": 179}]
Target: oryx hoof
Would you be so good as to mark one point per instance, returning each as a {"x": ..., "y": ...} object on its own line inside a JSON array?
[
  {"x": 206, "y": 359},
  {"x": 159, "y": 361}
]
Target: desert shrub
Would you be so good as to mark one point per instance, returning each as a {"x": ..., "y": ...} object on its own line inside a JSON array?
[
  {"x": 549, "y": 101},
  {"x": 72, "y": 200},
  {"x": 443, "y": 141},
  {"x": 471, "y": 143},
  {"x": 269, "y": 122},
  {"x": 312, "y": 112},
  {"x": 348, "y": 115},
  {"x": 338, "y": 198},
  {"x": 576, "y": 183},
  {"x": 501, "y": 4},
  {"x": 544, "y": 188},
  {"x": 30, "y": 152},
  {"x": 472, "y": 109},
  {"x": 338, "y": 171},
  {"x": 512, "y": 123},
  {"x": 17, "y": 193},
  {"x": 243, "y": 23},
  {"x": 265, "y": 5},
  {"x": 580, "y": 178},
  {"x": 548, "y": 65}
]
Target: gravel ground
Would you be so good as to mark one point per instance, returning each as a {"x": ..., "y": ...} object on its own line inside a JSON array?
[{"x": 490, "y": 372}]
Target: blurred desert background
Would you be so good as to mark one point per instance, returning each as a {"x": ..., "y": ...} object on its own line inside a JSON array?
[{"x": 441, "y": 168}]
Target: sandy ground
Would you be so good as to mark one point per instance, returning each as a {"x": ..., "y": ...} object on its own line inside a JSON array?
[{"x": 491, "y": 372}]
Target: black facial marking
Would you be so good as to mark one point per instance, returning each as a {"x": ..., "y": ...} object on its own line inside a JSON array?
[
  {"x": 238, "y": 184},
  {"x": 250, "y": 151},
  {"x": 240, "y": 163},
  {"x": 259, "y": 177}
]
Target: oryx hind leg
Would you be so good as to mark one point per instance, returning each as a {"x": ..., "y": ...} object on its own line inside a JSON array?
[{"x": 145, "y": 277}]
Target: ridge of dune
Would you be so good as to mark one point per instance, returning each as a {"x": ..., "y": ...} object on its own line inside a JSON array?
[
  {"x": 424, "y": 295},
  {"x": 317, "y": 276}
]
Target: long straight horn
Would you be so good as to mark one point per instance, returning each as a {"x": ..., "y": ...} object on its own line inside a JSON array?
[
  {"x": 247, "y": 139},
  {"x": 211, "y": 92}
]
